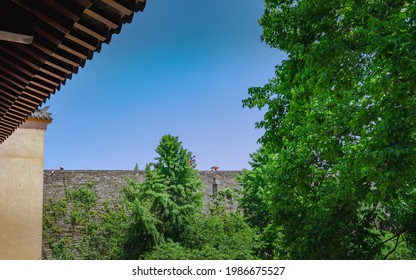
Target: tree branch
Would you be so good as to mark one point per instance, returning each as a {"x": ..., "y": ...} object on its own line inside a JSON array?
[
  {"x": 394, "y": 249},
  {"x": 387, "y": 240}
]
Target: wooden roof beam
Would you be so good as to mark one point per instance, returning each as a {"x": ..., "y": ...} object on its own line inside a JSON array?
[
  {"x": 101, "y": 18},
  {"x": 7, "y": 97},
  {"x": 34, "y": 95},
  {"x": 34, "y": 89},
  {"x": 4, "y": 131},
  {"x": 78, "y": 53},
  {"x": 58, "y": 67},
  {"x": 35, "y": 65},
  {"x": 140, "y": 4},
  {"x": 52, "y": 51},
  {"x": 40, "y": 56},
  {"x": 33, "y": 52},
  {"x": 81, "y": 42},
  {"x": 85, "y": 3},
  {"x": 16, "y": 66},
  {"x": 119, "y": 7},
  {"x": 41, "y": 84},
  {"x": 89, "y": 31},
  {"x": 16, "y": 114},
  {"x": 51, "y": 73},
  {"x": 23, "y": 109},
  {"x": 46, "y": 78},
  {"x": 10, "y": 88},
  {"x": 13, "y": 74},
  {"x": 23, "y": 104},
  {"x": 67, "y": 60},
  {"x": 8, "y": 125},
  {"x": 10, "y": 120},
  {"x": 13, "y": 82},
  {"x": 39, "y": 12},
  {"x": 24, "y": 98},
  {"x": 73, "y": 14},
  {"x": 46, "y": 35}
]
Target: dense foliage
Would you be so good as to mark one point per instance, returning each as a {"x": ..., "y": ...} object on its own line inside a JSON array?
[
  {"x": 221, "y": 234},
  {"x": 336, "y": 173},
  {"x": 164, "y": 205}
]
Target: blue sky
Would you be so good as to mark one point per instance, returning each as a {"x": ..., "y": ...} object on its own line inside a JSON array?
[{"x": 181, "y": 68}]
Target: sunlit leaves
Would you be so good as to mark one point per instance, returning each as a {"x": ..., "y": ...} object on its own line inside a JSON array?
[{"x": 340, "y": 124}]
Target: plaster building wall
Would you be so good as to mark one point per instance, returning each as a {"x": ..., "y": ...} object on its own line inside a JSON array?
[{"x": 21, "y": 192}]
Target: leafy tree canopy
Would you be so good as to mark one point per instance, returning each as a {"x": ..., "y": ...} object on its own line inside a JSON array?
[
  {"x": 221, "y": 234},
  {"x": 164, "y": 205},
  {"x": 340, "y": 138}
]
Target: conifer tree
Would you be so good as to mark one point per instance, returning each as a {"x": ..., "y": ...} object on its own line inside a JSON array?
[{"x": 164, "y": 205}]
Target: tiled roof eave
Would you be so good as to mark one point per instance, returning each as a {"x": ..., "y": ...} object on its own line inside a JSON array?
[{"x": 66, "y": 34}]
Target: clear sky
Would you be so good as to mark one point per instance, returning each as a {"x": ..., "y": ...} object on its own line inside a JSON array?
[{"x": 181, "y": 67}]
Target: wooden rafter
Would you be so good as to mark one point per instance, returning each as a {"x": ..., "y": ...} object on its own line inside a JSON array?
[{"x": 66, "y": 34}]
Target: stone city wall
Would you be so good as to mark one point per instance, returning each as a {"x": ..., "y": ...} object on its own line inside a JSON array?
[{"x": 108, "y": 183}]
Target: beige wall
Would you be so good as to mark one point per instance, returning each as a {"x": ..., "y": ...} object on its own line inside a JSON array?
[{"x": 21, "y": 192}]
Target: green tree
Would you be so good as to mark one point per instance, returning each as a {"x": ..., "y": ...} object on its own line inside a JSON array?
[
  {"x": 340, "y": 127},
  {"x": 165, "y": 204},
  {"x": 256, "y": 203},
  {"x": 221, "y": 234}
]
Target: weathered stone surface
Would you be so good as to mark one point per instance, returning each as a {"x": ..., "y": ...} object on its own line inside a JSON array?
[{"x": 108, "y": 183}]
